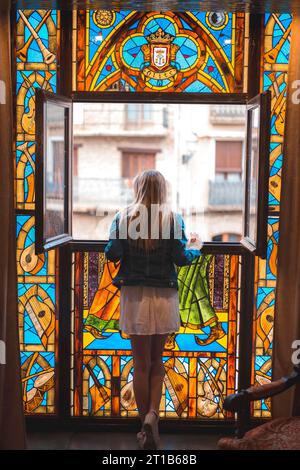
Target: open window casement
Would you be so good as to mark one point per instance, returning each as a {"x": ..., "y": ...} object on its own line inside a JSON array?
[
  {"x": 54, "y": 163},
  {"x": 53, "y": 170},
  {"x": 255, "y": 216}
]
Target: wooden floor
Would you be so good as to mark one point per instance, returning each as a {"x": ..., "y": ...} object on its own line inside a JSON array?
[{"x": 116, "y": 441}]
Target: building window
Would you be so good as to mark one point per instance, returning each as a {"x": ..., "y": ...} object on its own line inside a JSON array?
[
  {"x": 133, "y": 162},
  {"x": 138, "y": 113},
  {"x": 227, "y": 237},
  {"x": 229, "y": 156},
  {"x": 55, "y": 168},
  {"x": 75, "y": 158},
  {"x": 165, "y": 117}
]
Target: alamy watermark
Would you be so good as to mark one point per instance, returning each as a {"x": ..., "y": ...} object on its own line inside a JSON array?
[
  {"x": 296, "y": 354},
  {"x": 2, "y": 352},
  {"x": 157, "y": 224},
  {"x": 296, "y": 94}
]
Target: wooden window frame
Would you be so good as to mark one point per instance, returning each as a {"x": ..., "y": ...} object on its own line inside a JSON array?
[
  {"x": 43, "y": 243},
  {"x": 258, "y": 246},
  {"x": 172, "y": 97}
]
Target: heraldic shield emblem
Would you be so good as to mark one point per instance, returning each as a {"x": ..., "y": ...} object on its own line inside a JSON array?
[{"x": 160, "y": 56}]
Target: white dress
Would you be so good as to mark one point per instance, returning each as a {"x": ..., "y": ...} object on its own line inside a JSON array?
[{"x": 147, "y": 310}]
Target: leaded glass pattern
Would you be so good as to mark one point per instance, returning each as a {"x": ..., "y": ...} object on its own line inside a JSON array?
[
  {"x": 264, "y": 310},
  {"x": 116, "y": 51},
  {"x": 37, "y": 320},
  {"x": 188, "y": 51},
  {"x": 37, "y": 38},
  {"x": 277, "y": 38},
  {"x": 198, "y": 376},
  {"x": 277, "y": 35}
]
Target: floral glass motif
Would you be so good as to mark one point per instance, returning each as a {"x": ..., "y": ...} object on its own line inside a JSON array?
[
  {"x": 198, "y": 375},
  {"x": 186, "y": 51},
  {"x": 37, "y": 38}
]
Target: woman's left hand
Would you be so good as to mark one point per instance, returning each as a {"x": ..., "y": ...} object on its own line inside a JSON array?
[{"x": 194, "y": 241}]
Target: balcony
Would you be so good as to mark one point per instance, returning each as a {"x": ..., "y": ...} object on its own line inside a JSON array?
[
  {"x": 227, "y": 114},
  {"x": 226, "y": 193},
  {"x": 93, "y": 195}
]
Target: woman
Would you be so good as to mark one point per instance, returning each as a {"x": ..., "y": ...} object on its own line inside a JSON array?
[{"x": 150, "y": 240}]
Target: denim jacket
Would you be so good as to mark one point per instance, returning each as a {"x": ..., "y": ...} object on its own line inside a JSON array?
[{"x": 154, "y": 268}]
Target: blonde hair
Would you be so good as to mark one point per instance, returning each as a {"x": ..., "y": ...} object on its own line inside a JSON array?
[{"x": 150, "y": 206}]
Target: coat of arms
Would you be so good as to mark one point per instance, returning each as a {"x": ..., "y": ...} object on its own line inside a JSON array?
[{"x": 160, "y": 56}]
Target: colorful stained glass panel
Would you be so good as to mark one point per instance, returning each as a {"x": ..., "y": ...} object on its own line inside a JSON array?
[
  {"x": 264, "y": 311},
  {"x": 274, "y": 78},
  {"x": 199, "y": 372},
  {"x": 37, "y": 39},
  {"x": 187, "y": 51}
]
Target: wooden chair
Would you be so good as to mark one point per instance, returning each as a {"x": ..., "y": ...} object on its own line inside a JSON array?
[{"x": 276, "y": 434}]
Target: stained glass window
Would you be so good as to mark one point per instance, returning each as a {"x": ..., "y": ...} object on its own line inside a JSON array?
[
  {"x": 198, "y": 375},
  {"x": 265, "y": 289},
  {"x": 37, "y": 322},
  {"x": 275, "y": 69},
  {"x": 117, "y": 50},
  {"x": 37, "y": 38},
  {"x": 188, "y": 51},
  {"x": 193, "y": 52},
  {"x": 277, "y": 35}
]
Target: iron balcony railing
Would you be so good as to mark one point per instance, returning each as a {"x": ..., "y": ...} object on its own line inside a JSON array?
[
  {"x": 227, "y": 114},
  {"x": 226, "y": 193}
]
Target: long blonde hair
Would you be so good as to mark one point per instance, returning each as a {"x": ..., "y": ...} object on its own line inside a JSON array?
[{"x": 150, "y": 193}]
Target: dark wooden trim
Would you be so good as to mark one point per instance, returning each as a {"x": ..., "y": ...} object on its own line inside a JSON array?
[
  {"x": 274, "y": 213},
  {"x": 39, "y": 172},
  {"x": 237, "y": 401},
  {"x": 208, "y": 247},
  {"x": 176, "y": 6},
  {"x": 77, "y": 332},
  {"x": 56, "y": 98},
  {"x": 64, "y": 67},
  {"x": 159, "y": 97},
  {"x": 245, "y": 334},
  {"x": 64, "y": 336},
  {"x": 89, "y": 423},
  {"x": 263, "y": 177},
  {"x": 258, "y": 246},
  {"x": 13, "y": 51},
  {"x": 244, "y": 240},
  {"x": 256, "y": 24},
  {"x": 25, "y": 212}
]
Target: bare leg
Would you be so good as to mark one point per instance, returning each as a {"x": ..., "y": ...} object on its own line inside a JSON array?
[
  {"x": 157, "y": 371},
  {"x": 141, "y": 352}
]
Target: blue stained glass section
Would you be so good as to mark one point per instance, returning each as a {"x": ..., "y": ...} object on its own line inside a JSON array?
[{"x": 163, "y": 23}]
